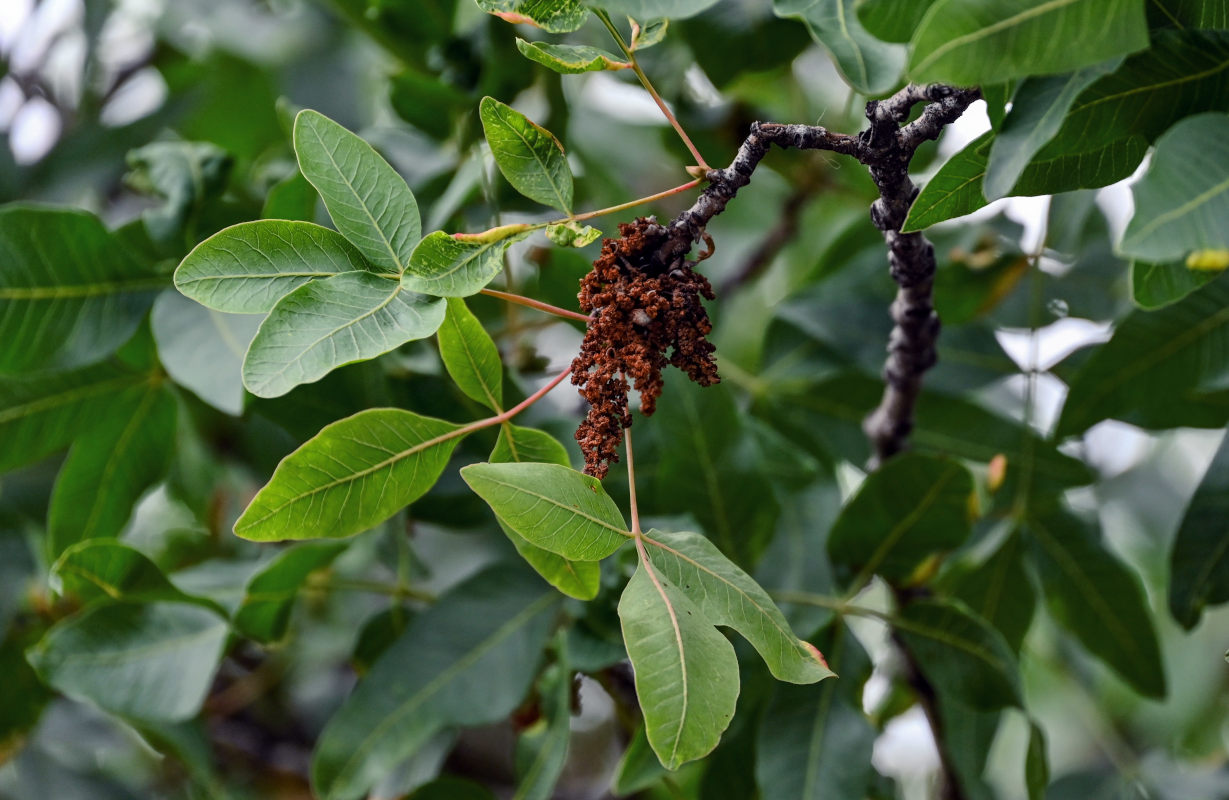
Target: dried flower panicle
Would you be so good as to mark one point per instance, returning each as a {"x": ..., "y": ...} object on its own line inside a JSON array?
[{"x": 645, "y": 315}]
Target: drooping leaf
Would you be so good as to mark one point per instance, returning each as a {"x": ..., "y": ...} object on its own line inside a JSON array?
[
  {"x": 527, "y": 154},
  {"x": 247, "y": 268},
  {"x": 1038, "y": 107},
  {"x": 468, "y": 660},
  {"x": 353, "y": 475},
  {"x": 326, "y": 323},
  {"x": 650, "y": 9},
  {"x": 572, "y": 234},
  {"x": 1157, "y": 285},
  {"x": 579, "y": 579},
  {"x": 542, "y": 750},
  {"x": 686, "y": 671},
  {"x": 445, "y": 266},
  {"x": 185, "y": 175},
  {"x": 913, "y": 507},
  {"x": 470, "y": 356},
  {"x": 956, "y": 189},
  {"x": 369, "y": 202},
  {"x": 70, "y": 292},
  {"x": 960, "y": 654},
  {"x": 552, "y": 16},
  {"x": 1149, "y": 372},
  {"x": 1184, "y": 72},
  {"x": 814, "y": 742},
  {"x": 108, "y": 469},
  {"x": 569, "y": 59},
  {"x": 202, "y": 349},
  {"x": 1182, "y": 200},
  {"x": 264, "y": 614},
  {"x": 998, "y": 591},
  {"x": 152, "y": 661},
  {"x": 971, "y": 42},
  {"x": 97, "y": 568},
  {"x": 1199, "y": 561},
  {"x": 967, "y": 734},
  {"x": 551, "y": 506},
  {"x": 725, "y": 595},
  {"x": 1036, "y": 763},
  {"x": 1096, "y": 597},
  {"x": 892, "y": 20},
  {"x": 45, "y": 413},
  {"x": 868, "y": 65}
]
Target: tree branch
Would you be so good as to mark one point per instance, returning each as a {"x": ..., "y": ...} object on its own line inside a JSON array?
[{"x": 886, "y": 147}]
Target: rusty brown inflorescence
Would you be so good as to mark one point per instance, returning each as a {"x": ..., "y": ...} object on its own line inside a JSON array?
[{"x": 645, "y": 315}]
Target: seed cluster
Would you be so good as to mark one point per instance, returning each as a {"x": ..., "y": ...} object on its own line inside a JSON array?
[{"x": 644, "y": 315}]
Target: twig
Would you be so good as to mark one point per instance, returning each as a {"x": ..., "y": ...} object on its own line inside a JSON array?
[{"x": 886, "y": 147}]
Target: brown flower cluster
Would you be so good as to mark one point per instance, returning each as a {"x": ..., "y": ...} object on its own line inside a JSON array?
[{"x": 645, "y": 315}]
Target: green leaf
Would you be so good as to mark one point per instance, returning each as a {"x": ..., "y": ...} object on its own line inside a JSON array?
[
  {"x": 686, "y": 671},
  {"x": 527, "y": 444},
  {"x": 892, "y": 20},
  {"x": 569, "y": 59},
  {"x": 971, "y": 42},
  {"x": 450, "y": 788},
  {"x": 98, "y": 568},
  {"x": 1183, "y": 73},
  {"x": 960, "y": 654},
  {"x": 152, "y": 661},
  {"x": 1036, "y": 764},
  {"x": 24, "y": 697},
  {"x": 264, "y": 614},
  {"x": 725, "y": 595},
  {"x": 579, "y": 579},
  {"x": 369, "y": 202},
  {"x": 324, "y": 324},
  {"x": 552, "y": 16},
  {"x": 649, "y": 33},
  {"x": 572, "y": 234},
  {"x": 956, "y": 189},
  {"x": 998, "y": 590},
  {"x": 353, "y": 475},
  {"x": 1156, "y": 285},
  {"x": 1199, "y": 561},
  {"x": 445, "y": 266},
  {"x": 46, "y": 412},
  {"x": 202, "y": 349},
  {"x": 814, "y": 742},
  {"x": 70, "y": 292},
  {"x": 638, "y": 767},
  {"x": 1096, "y": 597},
  {"x": 247, "y": 268},
  {"x": 470, "y": 356},
  {"x": 527, "y": 154},
  {"x": 1183, "y": 199},
  {"x": 291, "y": 198},
  {"x": 1188, "y": 13},
  {"x": 542, "y": 750},
  {"x": 1150, "y": 370},
  {"x": 913, "y": 507},
  {"x": 551, "y": 506},
  {"x": 650, "y": 9},
  {"x": 186, "y": 175},
  {"x": 867, "y": 64},
  {"x": 1038, "y": 108},
  {"x": 108, "y": 469},
  {"x": 468, "y": 660}
]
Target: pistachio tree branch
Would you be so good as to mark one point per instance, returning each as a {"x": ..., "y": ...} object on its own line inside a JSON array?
[{"x": 886, "y": 148}]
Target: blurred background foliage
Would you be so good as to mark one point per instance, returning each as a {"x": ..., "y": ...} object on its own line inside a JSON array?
[{"x": 170, "y": 119}]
